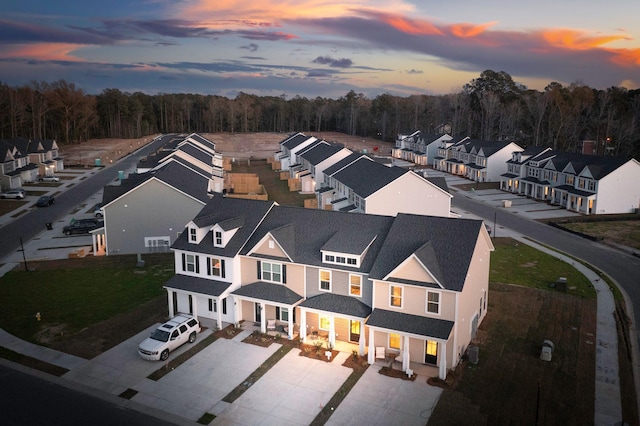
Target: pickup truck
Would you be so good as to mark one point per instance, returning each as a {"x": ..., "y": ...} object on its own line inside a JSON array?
[{"x": 168, "y": 337}]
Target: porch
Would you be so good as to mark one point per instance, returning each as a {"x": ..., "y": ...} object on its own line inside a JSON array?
[{"x": 416, "y": 367}]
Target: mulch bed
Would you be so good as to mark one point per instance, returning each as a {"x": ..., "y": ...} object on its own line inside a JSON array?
[
  {"x": 229, "y": 332},
  {"x": 398, "y": 374}
]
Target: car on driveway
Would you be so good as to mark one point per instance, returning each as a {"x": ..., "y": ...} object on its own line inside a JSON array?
[
  {"x": 49, "y": 178},
  {"x": 168, "y": 337},
  {"x": 45, "y": 201},
  {"x": 13, "y": 193},
  {"x": 97, "y": 210},
  {"x": 82, "y": 226}
]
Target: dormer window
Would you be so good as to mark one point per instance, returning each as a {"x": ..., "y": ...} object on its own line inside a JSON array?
[
  {"x": 218, "y": 241},
  {"x": 193, "y": 236},
  {"x": 341, "y": 259}
]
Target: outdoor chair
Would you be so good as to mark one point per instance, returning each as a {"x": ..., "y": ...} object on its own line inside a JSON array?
[{"x": 271, "y": 325}]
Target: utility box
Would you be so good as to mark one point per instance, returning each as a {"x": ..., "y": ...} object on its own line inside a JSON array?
[
  {"x": 561, "y": 284},
  {"x": 547, "y": 350},
  {"x": 506, "y": 203},
  {"x": 473, "y": 353}
]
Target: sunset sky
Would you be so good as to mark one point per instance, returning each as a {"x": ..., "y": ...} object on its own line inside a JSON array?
[{"x": 317, "y": 47}]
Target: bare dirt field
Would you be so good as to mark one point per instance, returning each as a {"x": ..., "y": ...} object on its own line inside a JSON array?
[{"x": 231, "y": 145}]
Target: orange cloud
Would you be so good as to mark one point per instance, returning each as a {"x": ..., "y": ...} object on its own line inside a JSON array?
[
  {"x": 411, "y": 26},
  {"x": 465, "y": 30},
  {"x": 626, "y": 57},
  {"x": 578, "y": 40},
  {"x": 42, "y": 51}
]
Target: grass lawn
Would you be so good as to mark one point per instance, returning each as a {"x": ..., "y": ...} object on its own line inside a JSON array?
[
  {"x": 70, "y": 299},
  {"x": 626, "y": 232},
  {"x": 515, "y": 263}
]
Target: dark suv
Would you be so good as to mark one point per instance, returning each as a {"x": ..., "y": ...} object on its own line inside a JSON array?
[{"x": 82, "y": 226}]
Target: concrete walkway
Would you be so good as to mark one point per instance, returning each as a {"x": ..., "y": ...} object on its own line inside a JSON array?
[{"x": 51, "y": 356}]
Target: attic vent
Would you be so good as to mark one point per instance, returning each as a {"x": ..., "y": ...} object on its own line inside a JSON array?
[{"x": 271, "y": 244}]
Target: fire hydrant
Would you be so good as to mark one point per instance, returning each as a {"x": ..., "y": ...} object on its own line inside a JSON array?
[{"x": 38, "y": 316}]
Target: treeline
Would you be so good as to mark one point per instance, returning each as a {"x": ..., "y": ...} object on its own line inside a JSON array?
[{"x": 490, "y": 107}]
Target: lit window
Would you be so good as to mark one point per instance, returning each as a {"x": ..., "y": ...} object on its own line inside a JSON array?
[
  {"x": 272, "y": 272},
  {"x": 324, "y": 323},
  {"x": 193, "y": 237},
  {"x": 394, "y": 341},
  {"x": 216, "y": 267},
  {"x": 396, "y": 296},
  {"x": 325, "y": 280},
  {"x": 355, "y": 284},
  {"x": 433, "y": 302}
]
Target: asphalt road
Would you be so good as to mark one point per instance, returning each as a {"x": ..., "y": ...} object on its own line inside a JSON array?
[
  {"x": 33, "y": 400},
  {"x": 622, "y": 267},
  {"x": 30, "y": 224}
]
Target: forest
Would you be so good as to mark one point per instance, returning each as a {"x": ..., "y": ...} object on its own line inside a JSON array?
[{"x": 490, "y": 107}]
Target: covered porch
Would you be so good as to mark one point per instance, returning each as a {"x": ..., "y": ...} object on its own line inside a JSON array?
[
  {"x": 396, "y": 337},
  {"x": 271, "y": 306},
  {"x": 336, "y": 319}
]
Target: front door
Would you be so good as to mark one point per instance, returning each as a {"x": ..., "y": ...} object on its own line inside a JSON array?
[
  {"x": 258, "y": 312},
  {"x": 431, "y": 352},
  {"x": 354, "y": 331}
]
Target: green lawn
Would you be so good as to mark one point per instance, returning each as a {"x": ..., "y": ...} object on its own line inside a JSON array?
[
  {"x": 516, "y": 263},
  {"x": 77, "y": 298}
]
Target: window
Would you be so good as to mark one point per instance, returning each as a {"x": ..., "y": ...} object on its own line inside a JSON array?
[
  {"x": 396, "y": 296},
  {"x": 329, "y": 258},
  {"x": 282, "y": 314},
  {"x": 271, "y": 272},
  {"x": 324, "y": 323},
  {"x": 213, "y": 305},
  {"x": 190, "y": 263},
  {"x": 341, "y": 259},
  {"x": 394, "y": 341},
  {"x": 193, "y": 237},
  {"x": 217, "y": 267},
  {"x": 157, "y": 244},
  {"x": 355, "y": 285},
  {"x": 351, "y": 261},
  {"x": 433, "y": 302},
  {"x": 325, "y": 280},
  {"x": 218, "y": 238}
]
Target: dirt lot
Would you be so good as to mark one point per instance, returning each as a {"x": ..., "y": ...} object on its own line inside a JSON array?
[{"x": 231, "y": 145}]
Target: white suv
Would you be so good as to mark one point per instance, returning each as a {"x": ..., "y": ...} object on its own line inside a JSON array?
[{"x": 168, "y": 337}]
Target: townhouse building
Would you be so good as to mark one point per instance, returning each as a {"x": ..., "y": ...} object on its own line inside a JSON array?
[
  {"x": 23, "y": 161},
  {"x": 414, "y": 285},
  {"x": 585, "y": 184},
  {"x": 418, "y": 147}
]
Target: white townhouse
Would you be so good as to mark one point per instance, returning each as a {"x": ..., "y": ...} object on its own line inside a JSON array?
[
  {"x": 418, "y": 147},
  {"x": 289, "y": 148},
  {"x": 585, "y": 184}
]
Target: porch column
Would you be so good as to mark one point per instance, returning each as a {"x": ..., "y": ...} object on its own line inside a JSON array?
[
  {"x": 332, "y": 331},
  {"x": 170, "y": 300},
  {"x": 219, "y": 314},
  {"x": 263, "y": 321},
  {"x": 236, "y": 315},
  {"x": 442, "y": 367},
  {"x": 194, "y": 303},
  {"x": 372, "y": 349},
  {"x": 362, "y": 339},
  {"x": 303, "y": 324},
  {"x": 405, "y": 354},
  {"x": 290, "y": 323},
  {"x": 94, "y": 244}
]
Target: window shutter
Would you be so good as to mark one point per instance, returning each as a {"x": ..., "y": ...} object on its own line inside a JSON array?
[
  {"x": 277, "y": 312},
  {"x": 222, "y": 267},
  {"x": 184, "y": 262},
  {"x": 259, "y": 270},
  {"x": 209, "y": 267},
  {"x": 197, "y": 264},
  {"x": 284, "y": 274}
]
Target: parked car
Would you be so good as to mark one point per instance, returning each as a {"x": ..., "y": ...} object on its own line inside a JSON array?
[
  {"x": 45, "y": 201},
  {"x": 82, "y": 226},
  {"x": 13, "y": 193},
  {"x": 49, "y": 178},
  {"x": 168, "y": 337},
  {"x": 97, "y": 210}
]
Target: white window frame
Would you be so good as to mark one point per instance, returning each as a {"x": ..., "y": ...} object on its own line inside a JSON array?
[
  {"x": 431, "y": 303},
  {"x": 192, "y": 263},
  {"x": 219, "y": 268},
  {"x": 270, "y": 271},
  {"x": 320, "y": 318},
  {"x": 399, "y": 341},
  {"x": 154, "y": 242},
  {"x": 218, "y": 239},
  {"x": 391, "y": 296},
  {"x": 359, "y": 285},
  {"x": 320, "y": 280},
  {"x": 193, "y": 235}
]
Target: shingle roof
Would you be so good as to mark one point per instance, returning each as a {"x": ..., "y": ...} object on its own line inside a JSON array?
[
  {"x": 439, "y": 181},
  {"x": 366, "y": 177},
  {"x": 197, "y": 285},
  {"x": 342, "y": 163},
  {"x": 320, "y": 153},
  {"x": 197, "y": 153},
  {"x": 185, "y": 180},
  {"x": 277, "y": 293},
  {"x": 452, "y": 242},
  {"x": 221, "y": 209},
  {"x": 294, "y": 141},
  {"x": 339, "y": 304},
  {"x": 315, "y": 229},
  {"x": 413, "y": 324}
]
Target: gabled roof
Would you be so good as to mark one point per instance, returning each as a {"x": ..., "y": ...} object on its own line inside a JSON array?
[
  {"x": 366, "y": 177},
  {"x": 598, "y": 167},
  {"x": 488, "y": 148},
  {"x": 351, "y": 243},
  {"x": 201, "y": 139},
  {"x": 219, "y": 210},
  {"x": 343, "y": 163},
  {"x": 439, "y": 181},
  {"x": 314, "y": 229},
  {"x": 196, "y": 153},
  {"x": 294, "y": 141},
  {"x": 321, "y": 152},
  {"x": 277, "y": 293},
  {"x": 197, "y": 285},
  {"x": 408, "y": 236}
]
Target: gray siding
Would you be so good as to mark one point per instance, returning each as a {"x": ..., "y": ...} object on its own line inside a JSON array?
[
  {"x": 339, "y": 284},
  {"x": 153, "y": 209}
]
